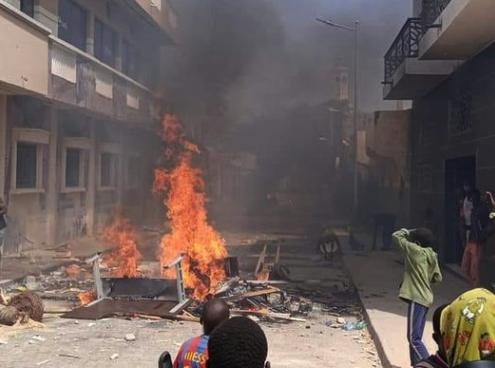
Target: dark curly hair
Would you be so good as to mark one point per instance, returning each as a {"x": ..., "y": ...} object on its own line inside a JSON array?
[
  {"x": 424, "y": 237},
  {"x": 237, "y": 343}
]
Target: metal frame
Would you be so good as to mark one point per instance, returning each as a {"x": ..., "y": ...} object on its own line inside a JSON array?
[
  {"x": 432, "y": 10},
  {"x": 177, "y": 263},
  {"x": 405, "y": 45}
]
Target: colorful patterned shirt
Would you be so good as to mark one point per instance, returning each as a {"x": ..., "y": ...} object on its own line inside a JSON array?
[{"x": 193, "y": 353}]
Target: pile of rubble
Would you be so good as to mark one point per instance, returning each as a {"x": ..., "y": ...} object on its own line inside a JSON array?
[{"x": 260, "y": 299}]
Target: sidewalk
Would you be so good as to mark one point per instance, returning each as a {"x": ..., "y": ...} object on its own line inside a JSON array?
[{"x": 377, "y": 276}]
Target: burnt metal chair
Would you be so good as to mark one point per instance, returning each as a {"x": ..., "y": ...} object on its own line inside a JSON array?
[{"x": 165, "y": 360}]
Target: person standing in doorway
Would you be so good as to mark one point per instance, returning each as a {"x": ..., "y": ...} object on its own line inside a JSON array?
[
  {"x": 420, "y": 272},
  {"x": 466, "y": 209},
  {"x": 478, "y": 236},
  {"x": 3, "y": 227}
]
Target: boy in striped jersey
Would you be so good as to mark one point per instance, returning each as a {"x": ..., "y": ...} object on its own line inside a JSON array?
[{"x": 194, "y": 352}]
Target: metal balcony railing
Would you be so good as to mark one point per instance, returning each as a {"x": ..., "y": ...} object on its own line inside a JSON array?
[
  {"x": 432, "y": 10},
  {"x": 405, "y": 45}
]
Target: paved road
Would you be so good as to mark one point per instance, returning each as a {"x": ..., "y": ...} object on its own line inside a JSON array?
[{"x": 308, "y": 344}]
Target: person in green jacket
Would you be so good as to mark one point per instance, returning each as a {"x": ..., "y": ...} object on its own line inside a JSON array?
[{"x": 421, "y": 271}]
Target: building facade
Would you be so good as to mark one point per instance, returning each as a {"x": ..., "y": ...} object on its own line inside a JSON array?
[
  {"x": 442, "y": 59},
  {"x": 80, "y": 90}
]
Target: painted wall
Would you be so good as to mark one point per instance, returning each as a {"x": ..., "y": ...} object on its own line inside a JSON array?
[{"x": 23, "y": 64}]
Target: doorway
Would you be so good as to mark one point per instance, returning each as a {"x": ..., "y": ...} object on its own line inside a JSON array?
[{"x": 457, "y": 170}]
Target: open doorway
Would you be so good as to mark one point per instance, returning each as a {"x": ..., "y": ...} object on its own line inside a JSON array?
[{"x": 457, "y": 170}]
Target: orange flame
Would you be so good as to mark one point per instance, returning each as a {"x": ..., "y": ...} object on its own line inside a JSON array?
[
  {"x": 87, "y": 297},
  {"x": 120, "y": 234},
  {"x": 184, "y": 191}
]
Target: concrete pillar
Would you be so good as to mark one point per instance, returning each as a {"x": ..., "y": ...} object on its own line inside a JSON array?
[
  {"x": 3, "y": 143},
  {"x": 121, "y": 171},
  {"x": 90, "y": 34},
  {"x": 52, "y": 190},
  {"x": 92, "y": 177}
]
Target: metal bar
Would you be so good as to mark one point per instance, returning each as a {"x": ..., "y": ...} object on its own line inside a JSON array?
[
  {"x": 181, "y": 292},
  {"x": 97, "y": 276},
  {"x": 175, "y": 261}
]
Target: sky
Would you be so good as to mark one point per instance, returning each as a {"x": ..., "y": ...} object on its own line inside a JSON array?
[{"x": 239, "y": 60}]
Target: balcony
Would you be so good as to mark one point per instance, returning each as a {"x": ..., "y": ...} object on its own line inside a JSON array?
[
  {"x": 161, "y": 12},
  {"x": 457, "y": 29},
  {"x": 406, "y": 77},
  {"x": 79, "y": 79},
  {"x": 24, "y": 51}
]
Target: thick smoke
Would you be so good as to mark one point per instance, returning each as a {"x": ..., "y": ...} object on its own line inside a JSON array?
[{"x": 242, "y": 60}]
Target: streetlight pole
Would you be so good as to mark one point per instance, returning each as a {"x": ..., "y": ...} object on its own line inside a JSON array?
[{"x": 355, "y": 112}]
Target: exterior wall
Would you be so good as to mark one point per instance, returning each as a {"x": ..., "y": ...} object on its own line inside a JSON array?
[
  {"x": 87, "y": 106},
  {"x": 454, "y": 122},
  {"x": 23, "y": 64},
  {"x": 386, "y": 171},
  {"x": 53, "y": 213}
]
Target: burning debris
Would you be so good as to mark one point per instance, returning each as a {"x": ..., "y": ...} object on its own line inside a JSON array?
[
  {"x": 181, "y": 184},
  {"x": 123, "y": 238}
]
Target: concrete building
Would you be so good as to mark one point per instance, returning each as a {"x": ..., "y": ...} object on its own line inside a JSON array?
[
  {"x": 384, "y": 164},
  {"x": 442, "y": 59},
  {"x": 79, "y": 98}
]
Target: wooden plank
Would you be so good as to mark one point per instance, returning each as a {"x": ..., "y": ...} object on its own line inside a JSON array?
[
  {"x": 267, "y": 282},
  {"x": 226, "y": 286},
  {"x": 277, "y": 255},
  {"x": 265, "y": 313},
  {"x": 261, "y": 259},
  {"x": 252, "y": 294}
]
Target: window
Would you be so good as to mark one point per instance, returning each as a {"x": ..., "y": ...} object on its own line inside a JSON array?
[
  {"x": 105, "y": 43},
  {"x": 133, "y": 177},
  {"x": 27, "y": 7},
  {"x": 27, "y": 166},
  {"x": 73, "y": 168},
  {"x": 72, "y": 24},
  {"x": 130, "y": 58},
  {"x": 108, "y": 170},
  {"x": 461, "y": 114}
]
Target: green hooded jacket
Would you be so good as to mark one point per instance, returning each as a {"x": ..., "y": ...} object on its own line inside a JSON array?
[{"x": 421, "y": 270}]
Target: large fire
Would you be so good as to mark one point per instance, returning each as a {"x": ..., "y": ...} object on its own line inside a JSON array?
[
  {"x": 183, "y": 188},
  {"x": 121, "y": 235}
]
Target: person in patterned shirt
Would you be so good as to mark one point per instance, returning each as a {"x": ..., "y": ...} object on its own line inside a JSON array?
[{"x": 194, "y": 352}]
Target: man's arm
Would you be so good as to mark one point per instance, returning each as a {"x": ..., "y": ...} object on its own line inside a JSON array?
[
  {"x": 401, "y": 238},
  {"x": 437, "y": 275}
]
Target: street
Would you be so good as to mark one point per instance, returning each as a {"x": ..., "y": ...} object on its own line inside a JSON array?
[{"x": 75, "y": 343}]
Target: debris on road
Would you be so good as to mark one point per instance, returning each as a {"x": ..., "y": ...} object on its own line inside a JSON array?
[
  {"x": 130, "y": 337},
  {"x": 43, "y": 362}
]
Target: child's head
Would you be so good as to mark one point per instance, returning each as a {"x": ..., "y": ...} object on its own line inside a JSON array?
[
  {"x": 437, "y": 333},
  {"x": 423, "y": 237}
]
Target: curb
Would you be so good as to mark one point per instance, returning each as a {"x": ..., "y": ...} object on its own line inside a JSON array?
[{"x": 374, "y": 335}]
